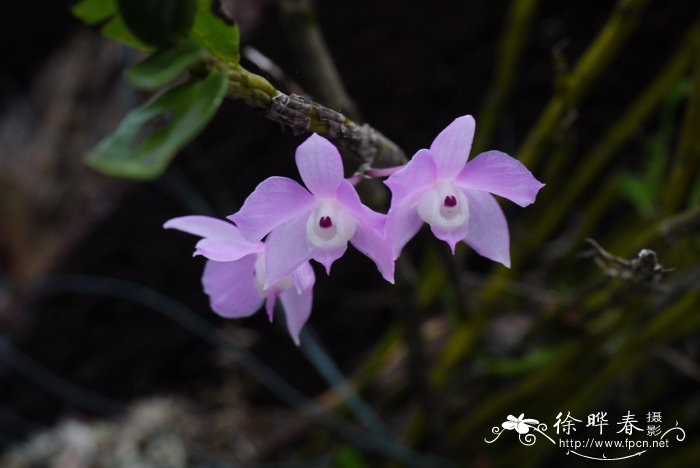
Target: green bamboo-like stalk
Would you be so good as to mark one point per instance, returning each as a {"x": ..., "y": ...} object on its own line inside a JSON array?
[
  {"x": 687, "y": 160},
  {"x": 578, "y": 83},
  {"x": 664, "y": 325},
  {"x": 593, "y": 163},
  {"x": 359, "y": 141},
  {"x": 513, "y": 40},
  {"x": 596, "y": 159}
]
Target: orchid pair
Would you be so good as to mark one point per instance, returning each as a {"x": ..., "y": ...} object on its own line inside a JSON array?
[{"x": 437, "y": 186}]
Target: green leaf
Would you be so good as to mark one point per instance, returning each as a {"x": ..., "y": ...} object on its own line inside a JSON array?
[
  {"x": 213, "y": 32},
  {"x": 94, "y": 11},
  {"x": 158, "y": 22},
  {"x": 165, "y": 65},
  {"x": 150, "y": 136}
]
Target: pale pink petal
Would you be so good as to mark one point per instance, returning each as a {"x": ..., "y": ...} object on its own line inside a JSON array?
[
  {"x": 450, "y": 149},
  {"x": 297, "y": 308},
  {"x": 402, "y": 224},
  {"x": 369, "y": 237},
  {"x": 222, "y": 250},
  {"x": 206, "y": 226},
  {"x": 286, "y": 249},
  {"x": 320, "y": 165},
  {"x": 326, "y": 257},
  {"x": 417, "y": 175},
  {"x": 452, "y": 236},
  {"x": 222, "y": 240},
  {"x": 303, "y": 277},
  {"x": 349, "y": 199},
  {"x": 270, "y": 300},
  {"x": 500, "y": 174},
  {"x": 375, "y": 246},
  {"x": 274, "y": 201},
  {"x": 231, "y": 287},
  {"x": 488, "y": 229}
]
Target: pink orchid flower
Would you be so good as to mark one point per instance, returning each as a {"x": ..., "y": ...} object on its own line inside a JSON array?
[
  {"x": 235, "y": 279},
  {"x": 438, "y": 186},
  {"x": 313, "y": 222}
]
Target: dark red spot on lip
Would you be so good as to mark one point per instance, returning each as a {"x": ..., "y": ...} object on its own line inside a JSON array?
[
  {"x": 450, "y": 201},
  {"x": 325, "y": 222}
]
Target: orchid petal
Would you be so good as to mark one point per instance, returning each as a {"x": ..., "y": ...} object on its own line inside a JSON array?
[
  {"x": 287, "y": 248},
  {"x": 488, "y": 229},
  {"x": 512, "y": 418},
  {"x": 297, "y": 309},
  {"x": 326, "y": 257},
  {"x": 532, "y": 422},
  {"x": 450, "y": 149},
  {"x": 303, "y": 277},
  {"x": 230, "y": 287},
  {"x": 500, "y": 174},
  {"x": 207, "y": 227},
  {"x": 373, "y": 244},
  {"x": 509, "y": 425},
  {"x": 416, "y": 176},
  {"x": 451, "y": 236},
  {"x": 320, "y": 165},
  {"x": 402, "y": 224},
  {"x": 222, "y": 250},
  {"x": 222, "y": 240},
  {"x": 270, "y": 300},
  {"x": 274, "y": 201},
  {"x": 369, "y": 237}
]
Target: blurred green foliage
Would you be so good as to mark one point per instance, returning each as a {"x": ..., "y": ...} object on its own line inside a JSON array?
[
  {"x": 158, "y": 22},
  {"x": 183, "y": 35},
  {"x": 164, "y": 66},
  {"x": 146, "y": 140}
]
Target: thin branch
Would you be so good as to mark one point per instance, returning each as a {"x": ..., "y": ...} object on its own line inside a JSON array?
[{"x": 361, "y": 142}]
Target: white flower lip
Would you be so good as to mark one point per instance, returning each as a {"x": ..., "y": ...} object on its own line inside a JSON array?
[
  {"x": 329, "y": 226},
  {"x": 444, "y": 206}
]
